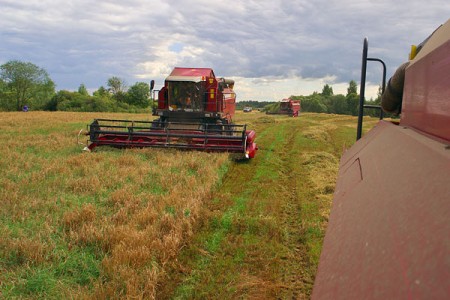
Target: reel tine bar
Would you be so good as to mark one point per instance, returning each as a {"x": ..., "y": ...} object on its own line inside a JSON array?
[{"x": 129, "y": 134}]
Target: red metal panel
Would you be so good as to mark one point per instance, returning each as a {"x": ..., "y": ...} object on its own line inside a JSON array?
[
  {"x": 426, "y": 102},
  {"x": 212, "y": 105},
  {"x": 389, "y": 232},
  {"x": 162, "y": 101},
  {"x": 207, "y": 72},
  {"x": 229, "y": 103}
]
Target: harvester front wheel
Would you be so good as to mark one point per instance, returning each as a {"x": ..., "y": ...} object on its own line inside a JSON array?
[
  {"x": 157, "y": 124},
  {"x": 214, "y": 128}
]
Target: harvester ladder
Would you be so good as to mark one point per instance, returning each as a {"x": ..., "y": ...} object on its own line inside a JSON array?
[{"x": 363, "y": 87}]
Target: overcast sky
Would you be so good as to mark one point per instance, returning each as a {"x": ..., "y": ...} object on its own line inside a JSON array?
[{"x": 272, "y": 49}]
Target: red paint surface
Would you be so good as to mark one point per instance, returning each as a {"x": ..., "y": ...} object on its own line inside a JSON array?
[
  {"x": 216, "y": 101},
  {"x": 207, "y": 72},
  {"x": 426, "y": 100},
  {"x": 389, "y": 230}
]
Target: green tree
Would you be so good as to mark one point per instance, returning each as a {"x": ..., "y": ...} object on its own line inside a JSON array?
[
  {"x": 23, "y": 80},
  {"x": 339, "y": 105},
  {"x": 6, "y": 97},
  {"x": 138, "y": 94},
  {"x": 116, "y": 85},
  {"x": 379, "y": 94},
  {"x": 314, "y": 103},
  {"x": 83, "y": 90},
  {"x": 75, "y": 101},
  {"x": 101, "y": 92},
  {"x": 352, "y": 98},
  {"x": 352, "y": 88},
  {"x": 65, "y": 100},
  {"x": 327, "y": 91},
  {"x": 42, "y": 94}
]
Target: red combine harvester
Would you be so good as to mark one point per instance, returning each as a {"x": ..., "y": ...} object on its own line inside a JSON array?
[
  {"x": 388, "y": 235},
  {"x": 195, "y": 111},
  {"x": 288, "y": 107}
]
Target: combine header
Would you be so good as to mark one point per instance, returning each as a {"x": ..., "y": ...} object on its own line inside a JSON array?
[
  {"x": 388, "y": 235},
  {"x": 194, "y": 111}
]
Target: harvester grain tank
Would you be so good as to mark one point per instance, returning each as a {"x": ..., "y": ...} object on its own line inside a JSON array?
[
  {"x": 388, "y": 235},
  {"x": 195, "y": 111}
]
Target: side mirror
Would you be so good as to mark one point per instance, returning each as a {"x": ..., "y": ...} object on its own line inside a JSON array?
[{"x": 152, "y": 85}]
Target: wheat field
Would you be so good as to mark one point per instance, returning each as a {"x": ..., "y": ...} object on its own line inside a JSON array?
[
  {"x": 161, "y": 223},
  {"x": 101, "y": 224}
]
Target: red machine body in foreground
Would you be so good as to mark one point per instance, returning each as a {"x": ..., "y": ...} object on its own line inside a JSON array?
[
  {"x": 388, "y": 235},
  {"x": 195, "y": 111},
  {"x": 288, "y": 107}
]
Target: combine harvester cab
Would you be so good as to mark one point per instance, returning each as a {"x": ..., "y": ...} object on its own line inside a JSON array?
[
  {"x": 388, "y": 235},
  {"x": 195, "y": 111},
  {"x": 290, "y": 107}
]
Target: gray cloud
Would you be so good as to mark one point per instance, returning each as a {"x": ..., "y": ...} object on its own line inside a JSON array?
[{"x": 89, "y": 41}]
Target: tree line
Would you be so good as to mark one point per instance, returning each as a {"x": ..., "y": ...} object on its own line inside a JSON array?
[
  {"x": 25, "y": 84},
  {"x": 324, "y": 102},
  {"x": 328, "y": 102}
]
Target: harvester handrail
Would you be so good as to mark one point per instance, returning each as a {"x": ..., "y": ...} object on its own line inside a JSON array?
[
  {"x": 365, "y": 59},
  {"x": 154, "y": 121},
  {"x": 131, "y": 128},
  {"x": 123, "y": 121}
]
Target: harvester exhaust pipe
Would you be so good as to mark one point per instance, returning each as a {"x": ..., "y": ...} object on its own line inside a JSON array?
[
  {"x": 226, "y": 83},
  {"x": 229, "y": 81}
]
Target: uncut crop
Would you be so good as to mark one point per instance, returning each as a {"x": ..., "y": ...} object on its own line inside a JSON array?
[{"x": 93, "y": 225}]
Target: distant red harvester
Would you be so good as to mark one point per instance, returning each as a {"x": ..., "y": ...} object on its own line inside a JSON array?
[
  {"x": 388, "y": 235},
  {"x": 288, "y": 107},
  {"x": 195, "y": 110}
]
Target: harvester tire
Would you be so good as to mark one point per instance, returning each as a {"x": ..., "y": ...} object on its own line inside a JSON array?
[{"x": 157, "y": 124}]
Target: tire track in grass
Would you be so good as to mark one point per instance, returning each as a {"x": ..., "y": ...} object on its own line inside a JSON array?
[
  {"x": 296, "y": 268},
  {"x": 256, "y": 244},
  {"x": 314, "y": 172},
  {"x": 228, "y": 207},
  {"x": 294, "y": 273}
]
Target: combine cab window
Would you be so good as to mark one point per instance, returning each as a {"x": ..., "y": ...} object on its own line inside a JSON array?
[
  {"x": 284, "y": 106},
  {"x": 184, "y": 95}
]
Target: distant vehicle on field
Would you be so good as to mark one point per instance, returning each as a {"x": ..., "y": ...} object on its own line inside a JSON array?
[{"x": 288, "y": 107}]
